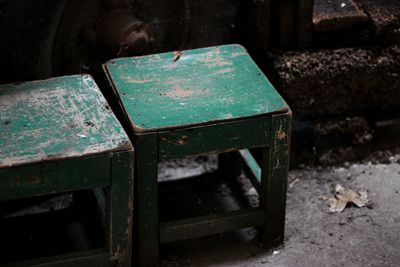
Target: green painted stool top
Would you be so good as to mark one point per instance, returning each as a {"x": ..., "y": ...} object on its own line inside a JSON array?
[
  {"x": 54, "y": 119},
  {"x": 200, "y": 86}
]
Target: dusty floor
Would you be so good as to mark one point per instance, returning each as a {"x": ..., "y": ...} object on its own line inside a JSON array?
[{"x": 315, "y": 237}]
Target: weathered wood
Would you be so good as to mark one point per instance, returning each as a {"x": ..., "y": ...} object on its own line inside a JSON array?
[
  {"x": 51, "y": 177},
  {"x": 147, "y": 235},
  {"x": 229, "y": 136},
  {"x": 55, "y": 119},
  {"x": 275, "y": 163},
  {"x": 252, "y": 164},
  {"x": 99, "y": 194},
  {"x": 60, "y": 135},
  {"x": 192, "y": 102},
  {"x": 211, "y": 224},
  {"x": 121, "y": 208},
  {"x": 193, "y": 87}
]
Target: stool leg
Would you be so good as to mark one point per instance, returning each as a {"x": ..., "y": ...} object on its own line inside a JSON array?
[
  {"x": 147, "y": 199},
  {"x": 275, "y": 161},
  {"x": 120, "y": 208}
]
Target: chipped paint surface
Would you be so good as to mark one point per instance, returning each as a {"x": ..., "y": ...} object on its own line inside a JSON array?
[
  {"x": 56, "y": 118},
  {"x": 280, "y": 134},
  {"x": 130, "y": 79},
  {"x": 192, "y": 87},
  {"x": 178, "y": 91}
]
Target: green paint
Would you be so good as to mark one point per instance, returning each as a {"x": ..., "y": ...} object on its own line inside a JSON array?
[
  {"x": 54, "y": 176},
  {"x": 275, "y": 165},
  {"x": 200, "y": 101},
  {"x": 60, "y": 135},
  {"x": 202, "y": 86},
  {"x": 211, "y": 224},
  {"x": 121, "y": 203},
  {"x": 216, "y": 138},
  {"x": 147, "y": 229},
  {"x": 251, "y": 163},
  {"x": 58, "y": 118}
]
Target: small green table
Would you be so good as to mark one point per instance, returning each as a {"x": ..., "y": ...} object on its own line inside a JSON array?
[
  {"x": 209, "y": 100},
  {"x": 60, "y": 135}
]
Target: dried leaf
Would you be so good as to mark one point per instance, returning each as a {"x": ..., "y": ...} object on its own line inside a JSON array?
[{"x": 343, "y": 196}]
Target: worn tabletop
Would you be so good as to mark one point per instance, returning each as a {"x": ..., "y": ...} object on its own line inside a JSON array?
[
  {"x": 200, "y": 86},
  {"x": 54, "y": 119}
]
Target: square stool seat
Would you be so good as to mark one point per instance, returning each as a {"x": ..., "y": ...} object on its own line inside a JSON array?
[
  {"x": 209, "y": 100},
  {"x": 202, "y": 86},
  {"x": 59, "y": 135}
]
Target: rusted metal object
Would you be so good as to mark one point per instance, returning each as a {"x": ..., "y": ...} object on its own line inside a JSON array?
[{"x": 120, "y": 33}]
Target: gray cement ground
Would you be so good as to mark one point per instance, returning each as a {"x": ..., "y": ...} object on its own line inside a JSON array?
[{"x": 315, "y": 237}]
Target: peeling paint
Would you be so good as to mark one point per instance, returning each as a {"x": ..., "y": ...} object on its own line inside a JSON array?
[
  {"x": 179, "y": 91},
  {"x": 130, "y": 79},
  {"x": 204, "y": 86},
  {"x": 280, "y": 134},
  {"x": 57, "y": 118}
]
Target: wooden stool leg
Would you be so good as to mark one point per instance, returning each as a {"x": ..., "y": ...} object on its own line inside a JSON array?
[
  {"x": 147, "y": 199},
  {"x": 275, "y": 161},
  {"x": 121, "y": 207}
]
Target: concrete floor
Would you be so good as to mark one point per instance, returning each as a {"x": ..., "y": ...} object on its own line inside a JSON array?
[{"x": 315, "y": 237}]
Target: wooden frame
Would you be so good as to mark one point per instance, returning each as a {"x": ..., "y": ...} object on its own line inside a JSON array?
[
  {"x": 194, "y": 102},
  {"x": 59, "y": 135},
  {"x": 118, "y": 181},
  {"x": 270, "y": 133}
]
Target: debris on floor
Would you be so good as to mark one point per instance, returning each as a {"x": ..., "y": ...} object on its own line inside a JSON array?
[
  {"x": 292, "y": 183},
  {"x": 313, "y": 237},
  {"x": 344, "y": 196}
]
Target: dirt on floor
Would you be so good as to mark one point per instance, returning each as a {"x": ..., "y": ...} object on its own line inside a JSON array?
[{"x": 368, "y": 236}]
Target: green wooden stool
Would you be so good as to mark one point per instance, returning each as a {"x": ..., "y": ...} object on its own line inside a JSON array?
[
  {"x": 60, "y": 135},
  {"x": 196, "y": 102}
]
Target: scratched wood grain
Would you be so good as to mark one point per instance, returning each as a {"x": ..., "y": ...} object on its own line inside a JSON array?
[
  {"x": 207, "y": 85},
  {"x": 59, "y": 118},
  {"x": 230, "y": 136}
]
